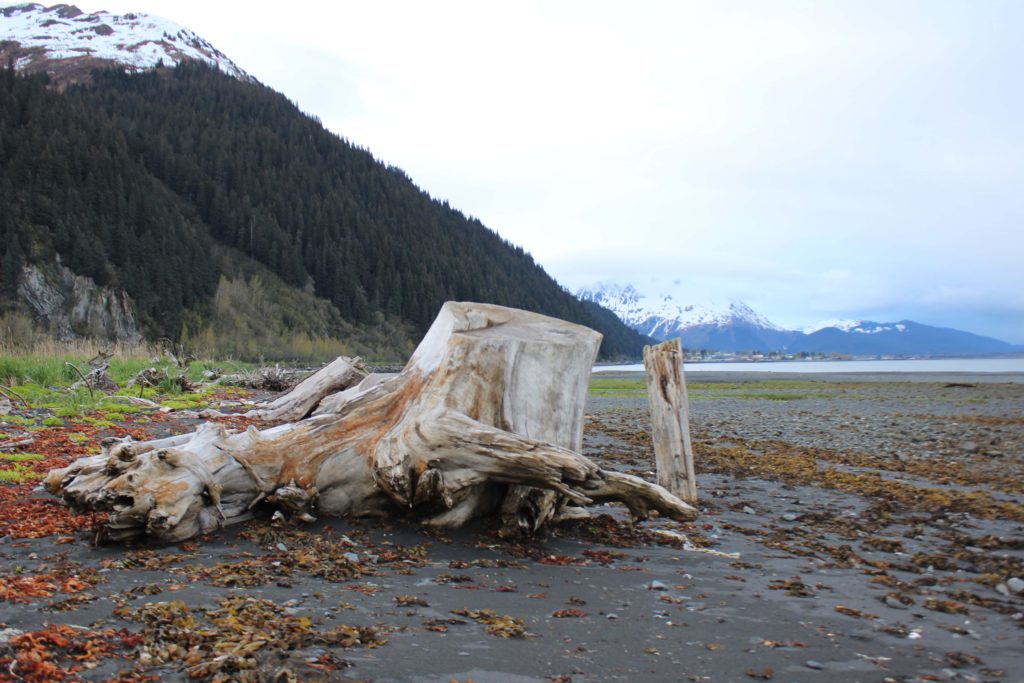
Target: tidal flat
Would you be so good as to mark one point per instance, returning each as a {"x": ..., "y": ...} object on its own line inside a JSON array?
[{"x": 851, "y": 529}]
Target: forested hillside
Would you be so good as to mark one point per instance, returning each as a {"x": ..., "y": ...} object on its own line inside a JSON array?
[
  {"x": 165, "y": 182},
  {"x": 71, "y": 185}
]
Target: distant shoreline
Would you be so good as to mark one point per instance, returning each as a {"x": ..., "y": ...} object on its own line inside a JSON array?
[
  {"x": 732, "y": 377},
  {"x": 922, "y": 370}
]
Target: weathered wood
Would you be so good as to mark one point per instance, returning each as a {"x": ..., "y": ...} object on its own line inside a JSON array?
[
  {"x": 98, "y": 377},
  {"x": 486, "y": 417},
  {"x": 298, "y": 403},
  {"x": 670, "y": 419}
]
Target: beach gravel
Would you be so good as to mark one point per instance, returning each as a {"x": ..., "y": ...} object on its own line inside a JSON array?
[{"x": 850, "y": 530}]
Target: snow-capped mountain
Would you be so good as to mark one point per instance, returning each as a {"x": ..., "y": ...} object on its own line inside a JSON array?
[
  {"x": 906, "y": 337},
  {"x": 67, "y": 43},
  {"x": 855, "y": 326},
  {"x": 709, "y": 324},
  {"x": 733, "y": 326}
]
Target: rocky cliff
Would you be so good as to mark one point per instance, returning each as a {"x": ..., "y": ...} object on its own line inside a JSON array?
[{"x": 74, "y": 306}]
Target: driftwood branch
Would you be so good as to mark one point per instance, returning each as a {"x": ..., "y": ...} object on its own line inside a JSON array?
[
  {"x": 11, "y": 445},
  {"x": 11, "y": 393},
  {"x": 84, "y": 380}
]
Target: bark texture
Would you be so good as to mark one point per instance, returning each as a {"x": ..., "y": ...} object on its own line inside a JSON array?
[{"x": 485, "y": 418}]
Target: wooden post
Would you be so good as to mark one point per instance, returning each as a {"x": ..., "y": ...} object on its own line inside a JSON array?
[{"x": 670, "y": 419}]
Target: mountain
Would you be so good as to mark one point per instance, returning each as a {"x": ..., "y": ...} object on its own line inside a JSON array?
[
  {"x": 721, "y": 326},
  {"x": 734, "y": 326},
  {"x": 67, "y": 44},
  {"x": 198, "y": 204},
  {"x": 904, "y": 338}
]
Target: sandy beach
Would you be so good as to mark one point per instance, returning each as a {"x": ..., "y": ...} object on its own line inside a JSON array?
[{"x": 866, "y": 528}]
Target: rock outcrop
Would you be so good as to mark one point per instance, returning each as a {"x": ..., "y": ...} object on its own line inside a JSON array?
[{"x": 74, "y": 306}]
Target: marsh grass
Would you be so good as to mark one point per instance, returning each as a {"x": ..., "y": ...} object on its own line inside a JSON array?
[
  {"x": 43, "y": 380},
  {"x": 46, "y": 363},
  {"x": 43, "y": 383}
]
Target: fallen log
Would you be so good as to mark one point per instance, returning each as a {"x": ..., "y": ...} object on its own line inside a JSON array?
[{"x": 486, "y": 417}]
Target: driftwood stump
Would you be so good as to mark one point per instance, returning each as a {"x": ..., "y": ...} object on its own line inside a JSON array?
[
  {"x": 486, "y": 417},
  {"x": 670, "y": 420}
]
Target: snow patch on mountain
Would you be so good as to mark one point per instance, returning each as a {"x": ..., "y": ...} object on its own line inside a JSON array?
[
  {"x": 855, "y": 326},
  {"x": 637, "y": 309},
  {"x": 838, "y": 323},
  {"x": 138, "y": 41}
]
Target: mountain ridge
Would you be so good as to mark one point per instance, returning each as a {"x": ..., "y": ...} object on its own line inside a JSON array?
[
  {"x": 67, "y": 43},
  {"x": 709, "y": 323},
  {"x": 735, "y": 327}
]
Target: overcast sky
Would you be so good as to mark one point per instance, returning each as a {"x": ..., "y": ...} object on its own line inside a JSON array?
[{"x": 815, "y": 160}]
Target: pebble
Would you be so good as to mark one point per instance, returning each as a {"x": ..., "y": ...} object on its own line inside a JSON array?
[
  {"x": 749, "y": 510},
  {"x": 282, "y": 547},
  {"x": 894, "y": 603},
  {"x": 1015, "y": 584},
  {"x": 812, "y": 664},
  {"x": 790, "y": 517},
  {"x": 656, "y": 586},
  {"x": 351, "y": 557}
]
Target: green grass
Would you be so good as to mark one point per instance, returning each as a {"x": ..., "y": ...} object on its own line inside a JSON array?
[
  {"x": 769, "y": 390},
  {"x": 38, "y": 370},
  {"x": 44, "y": 382},
  {"x": 98, "y": 422},
  {"x": 753, "y": 395},
  {"x": 118, "y": 407},
  {"x": 52, "y": 370},
  {"x": 802, "y": 385},
  {"x": 618, "y": 387},
  {"x": 66, "y": 403},
  {"x": 20, "y": 457},
  {"x": 19, "y": 474},
  {"x": 183, "y": 403}
]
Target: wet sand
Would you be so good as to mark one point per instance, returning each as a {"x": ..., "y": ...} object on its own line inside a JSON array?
[{"x": 852, "y": 529}]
